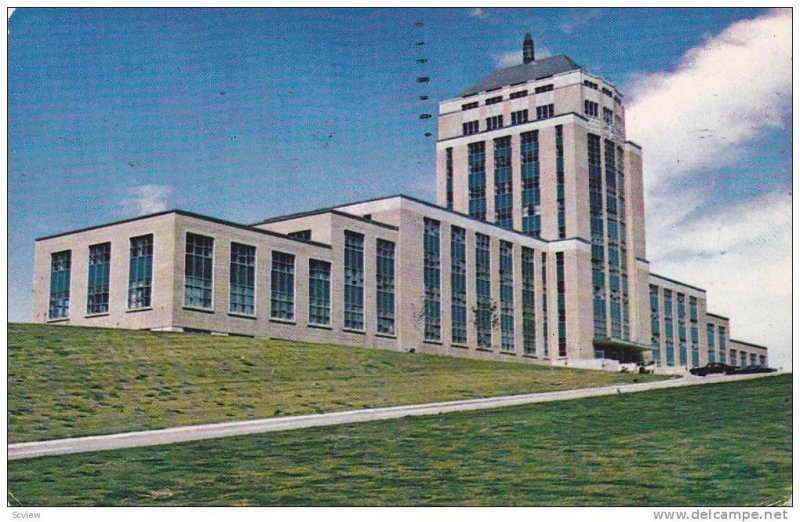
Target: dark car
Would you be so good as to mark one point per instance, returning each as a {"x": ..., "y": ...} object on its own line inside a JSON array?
[
  {"x": 752, "y": 369},
  {"x": 712, "y": 368}
]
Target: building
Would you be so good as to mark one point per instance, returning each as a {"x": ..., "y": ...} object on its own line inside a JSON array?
[{"x": 535, "y": 251}]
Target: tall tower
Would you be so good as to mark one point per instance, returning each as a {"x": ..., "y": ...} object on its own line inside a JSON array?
[{"x": 540, "y": 148}]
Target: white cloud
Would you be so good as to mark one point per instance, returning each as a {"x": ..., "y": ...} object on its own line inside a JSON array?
[
  {"x": 724, "y": 94},
  {"x": 577, "y": 18},
  {"x": 477, "y": 13},
  {"x": 509, "y": 58},
  {"x": 146, "y": 199}
]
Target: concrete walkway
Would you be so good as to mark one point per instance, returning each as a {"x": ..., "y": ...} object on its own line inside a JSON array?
[{"x": 26, "y": 450}]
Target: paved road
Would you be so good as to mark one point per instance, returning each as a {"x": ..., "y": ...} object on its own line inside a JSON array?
[{"x": 26, "y": 450}]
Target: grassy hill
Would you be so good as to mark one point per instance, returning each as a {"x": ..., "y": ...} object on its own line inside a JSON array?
[
  {"x": 717, "y": 445},
  {"x": 72, "y": 381}
]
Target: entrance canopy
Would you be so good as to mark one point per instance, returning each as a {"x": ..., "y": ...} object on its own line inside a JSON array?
[{"x": 619, "y": 350}]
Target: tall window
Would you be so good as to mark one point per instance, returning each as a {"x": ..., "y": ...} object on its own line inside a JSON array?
[
  {"x": 694, "y": 334},
  {"x": 243, "y": 279},
  {"x": 762, "y": 360},
  {"x": 140, "y": 274},
  {"x": 483, "y": 291},
  {"x": 99, "y": 275},
  {"x": 432, "y": 268},
  {"x": 477, "y": 179},
  {"x": 319, "y": 292},
  {"x": 590, "y": 108},
  {"x": 503, "y": 200},
  {"x": 733, "y": 359},
  {"x": 458, "y": 283},
  {"x": 655, "y": 325},
  {"x": 506, "y": 296},
  {"x": 199, "y": 285},
  {"x": 385, "y": 286},
  {"x": 529, "y": 166},
  {"x": 598, "y": 239},
  {"x": 528, "y": 302},
  {"x": 562, "y": 305},
  {"x": 519, "y": 117},
  {"x": 560, "y": 188},
  {"x": 282, "y": 286},
  {"x": 449, "y": 169},
  {"x": 60, "y": 267},
  {"x": 669, "y": 339},
  {"x": 545, "y": 332},
  {"x": 682, "y": 355},
  {"x": 723, "y": 345},
  {"x": 614, "y": 279},
  {"x": 470, "y": 127},
  {"x": 623, "y": 246},
  {"x": 353, "y": 280},
  {"x": 710, "y": 337}
]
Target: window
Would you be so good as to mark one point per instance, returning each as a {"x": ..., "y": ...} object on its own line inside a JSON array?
[
  {"x": 528, "y": 302},
  {"x": 470, "y": 127},
  {"x": 590, "y": 108},
  {"x": 506, "y": 276},
  {"x": 458, "y": 284},
  {"x": 99, "y": 274},
  {"x": 493, "y": 100},
  {"x": 682, "y": 355},
  {"x": 742, "y": 359},
  {"x": 483, "y": 291},
  {"x": 762, "y": 360},
  {"x": 710, "y": 337},
  {"x": 752, "y": 359},
  {"x": 597, "y": 234},
  {"x": 305, "y": 235},
  {"x": 562, "y": 305},
  {"x": 545, "y": 334},
  {"x": 529, "y": 166},
  {"x": 545, "y": 111},
  {"x": 140, "y": 273},
  {"x": 608, "y": 116},
  {"x": 353, "y": 280},
  {"x": 607, "y": 92},
  {"x": 733, "y": 359},
  {"x": 544, "y": 88},
  {"x": 560, "y": 185},
  {"x": 319, "y": 292},
  {"x": 199, "y": 280},
  {"x": 519, "y": 117},
  {"x": 468, "y": 106},
  {"x": 669, "y": 339},
  {"x": 243, "y": 279},
  {"x": 655, "y": 325},
  {"x": 518, "y": 94},
  {"x": 722, "y": 343},
  {"x": 476, "y": 160},
  {"x": 694, "y": 335},
  {"x": 494, "y": 122},
  {"x": 385, "y": 286},
  {"x": 432, "y": 276},
  {"x": 282, "y": 286},
  {"x": 449, "y": 170},
  {"x": 60, "y": 268},
  {"x": 503, "y": 200},
  {"x": 591, "y": 85}
]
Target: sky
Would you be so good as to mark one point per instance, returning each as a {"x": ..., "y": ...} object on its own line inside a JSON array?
[{"x": 246, "y": 114}]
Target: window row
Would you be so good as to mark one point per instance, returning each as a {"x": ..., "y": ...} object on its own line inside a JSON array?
[{"x": 199, "y": 281}]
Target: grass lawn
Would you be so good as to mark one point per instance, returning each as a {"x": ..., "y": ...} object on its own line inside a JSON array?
[
  {"x": 721, "y": 444},
  {"x": 72, "y": 381}
]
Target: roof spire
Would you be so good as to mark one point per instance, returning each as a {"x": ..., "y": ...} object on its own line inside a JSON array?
[{"x": 527, "y": 49}]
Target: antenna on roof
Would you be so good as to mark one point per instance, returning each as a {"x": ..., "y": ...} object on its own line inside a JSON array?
[{"x": 527, "y": 49}]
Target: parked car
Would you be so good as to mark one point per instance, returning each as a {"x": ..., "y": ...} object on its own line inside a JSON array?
[
  {"x": 752, "y": 369},
  {"x": 712, "y": 368}
]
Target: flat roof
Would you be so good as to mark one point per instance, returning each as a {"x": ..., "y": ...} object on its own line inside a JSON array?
[
  {"x": 331, "y": 210},
  {"x": 718, "y": 316},
  {"x": 675, "y": 281},
  {"x": 749, "y": 344},
  {"x": 192, "y": 215}
]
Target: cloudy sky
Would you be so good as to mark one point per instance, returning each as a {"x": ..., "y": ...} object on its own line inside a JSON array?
[{"x": 248, "y": 114}]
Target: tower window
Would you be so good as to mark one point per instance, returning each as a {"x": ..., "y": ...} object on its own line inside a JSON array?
[{"x": 545, "y": 111}]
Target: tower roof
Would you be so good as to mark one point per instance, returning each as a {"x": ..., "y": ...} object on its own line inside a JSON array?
[{"x": 524, "y": 72}]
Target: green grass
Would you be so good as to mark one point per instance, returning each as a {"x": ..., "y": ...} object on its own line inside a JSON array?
[
  {"x": 71, "y": 381},
  {"x": 722, "y": 445}
]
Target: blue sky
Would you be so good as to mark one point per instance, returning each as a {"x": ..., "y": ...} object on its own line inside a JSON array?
[{"x": 246, "y": 114}]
